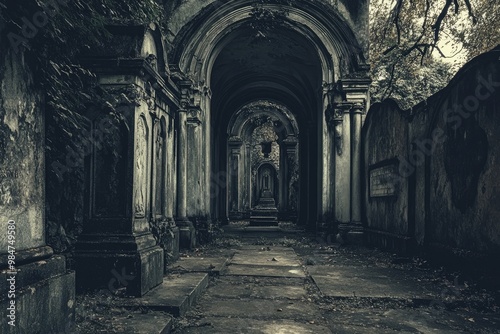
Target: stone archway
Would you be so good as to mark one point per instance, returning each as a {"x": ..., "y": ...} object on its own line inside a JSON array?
[
  {"x": 263, "y": 132},
  {"x": 312, "y": 62}
]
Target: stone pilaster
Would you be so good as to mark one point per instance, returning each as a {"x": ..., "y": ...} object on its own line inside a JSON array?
[
  {"x": 340, "y": 122},
  {"x": 37, "y": 290},
  {"x": 290, "y": 179},
  {"x": 186, "y": 227},
  {"x": 235, "y": 174}
]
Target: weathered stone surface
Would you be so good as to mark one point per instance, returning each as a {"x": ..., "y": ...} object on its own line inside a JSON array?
[
  {"x": 265, "y": 258},
  {"x": 117, "y": 266},
  {"x": 260, "y": 309},
  {"x": 46, "y": 306},
  {"x": 217, "y": 325},
  {"x": 410, "y": 321},
  {"x": 256, "y": 290},
  {"x": 267, "y": 271},
  {"x": 345, "y": 281},
  {"x": 210, "y": 265},
  {"x": 445, "y": 177},
  {"x": 143, "y": 323},
  {"x": 22, "y": 158},
  {"x": 43, "y": 291},
  {"x": 175, "y": 295}
]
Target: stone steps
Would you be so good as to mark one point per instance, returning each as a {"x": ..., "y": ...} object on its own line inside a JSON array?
[
  {"x": 152, "y": 313},
  {"x": 263, "y": 221},
  {"x": 175, "y": 295}
]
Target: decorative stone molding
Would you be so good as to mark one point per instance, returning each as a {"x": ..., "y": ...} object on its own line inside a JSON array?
[
  {"x": 235, "y": 140},
  {"x": 194, "y": 115},
  {"x": 358, "y": 108}
]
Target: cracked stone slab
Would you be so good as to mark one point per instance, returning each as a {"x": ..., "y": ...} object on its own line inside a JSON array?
[
  {"x": 265, "y": 271},
  {"x": 265, "y": 248},
  {"x": 143, "y": 323},
  {"x": 259, "y": 309},
  {"x": 216, "y": 325},
  {"x": 265, "y": 258},
  {"x": 253, "y": 290},
  {"x": 210, "y": 265},
  {"x": 369, "y": 282},
  {"x": 417, "y": 320},
  {"x": 175, "y": 295}
]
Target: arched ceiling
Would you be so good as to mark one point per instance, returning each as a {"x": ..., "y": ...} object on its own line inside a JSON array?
[{"x": 280, "y": 66}]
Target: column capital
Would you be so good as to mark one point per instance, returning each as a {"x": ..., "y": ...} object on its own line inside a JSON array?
[
  {"x": 335, "y": 112},
  {"x": 358, "y": 108}
]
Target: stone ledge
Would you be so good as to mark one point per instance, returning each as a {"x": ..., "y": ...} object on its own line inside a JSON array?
[{"x": 175, "y": 295}]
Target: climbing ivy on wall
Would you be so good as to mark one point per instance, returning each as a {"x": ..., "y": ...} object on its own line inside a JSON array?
[
  {"x": 265, "y": 20},
  {"x": 52, "y": 35}
]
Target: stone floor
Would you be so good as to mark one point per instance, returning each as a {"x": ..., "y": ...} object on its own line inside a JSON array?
[
  {"x": 269, "y": 288},
  {"x": 283, "y": 282}
]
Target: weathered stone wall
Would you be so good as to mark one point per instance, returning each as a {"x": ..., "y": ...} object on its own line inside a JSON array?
[
  {"x": 385, "y": 140},
  {"x": 22, "y": 170},
  {"x": 464, "y": 174},
  {"x": 39, "y": 297},
  {"x": 449, "y": 159}
]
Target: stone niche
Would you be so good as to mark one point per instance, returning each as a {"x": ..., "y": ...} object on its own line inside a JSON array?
[
  {"x": 44, "y": 288},
  {"x": 263, "y": 141},
  {"x": 130, "y": 210}
]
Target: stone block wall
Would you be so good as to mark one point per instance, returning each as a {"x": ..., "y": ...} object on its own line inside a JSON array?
[{"x": 448, "y": 166}]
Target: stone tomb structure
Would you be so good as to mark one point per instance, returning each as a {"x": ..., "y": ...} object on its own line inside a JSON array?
[
  {"x": 224, "y": 115},
  {"x": 185, "y": 151},
  {"x": 177, "y": 156}
]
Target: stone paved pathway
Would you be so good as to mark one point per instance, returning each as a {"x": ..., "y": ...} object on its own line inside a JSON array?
[{"x": 272, "y": 290}]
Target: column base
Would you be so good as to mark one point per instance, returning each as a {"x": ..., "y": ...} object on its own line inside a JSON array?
[
  {"x": 187, "y": 233},
  {"x": 44, "y": 296},
  {"x": 116, "y": 262}
]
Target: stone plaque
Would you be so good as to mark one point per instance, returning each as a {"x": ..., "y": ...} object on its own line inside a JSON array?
[{"x": 383, "y": 181}]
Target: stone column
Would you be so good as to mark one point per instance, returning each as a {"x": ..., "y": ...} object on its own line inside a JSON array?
[
  {"x": 187, "y": 237},
  {"x": 172, "y": 249},
  {"x": 356, "y": 227},
  {"x": 290, "y": 194},
  {"x": 234, "y": 144},
  {"x": 357, "y": 95},
  {"x": 340, "y": 123}
]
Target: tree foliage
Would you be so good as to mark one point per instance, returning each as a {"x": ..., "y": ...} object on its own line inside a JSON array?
[{"x": 413, "y": 41}]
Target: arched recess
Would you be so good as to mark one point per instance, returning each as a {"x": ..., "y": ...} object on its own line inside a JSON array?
[
  {"x": 298, "y": 64},
  {"x": 245, "y": 159}
]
